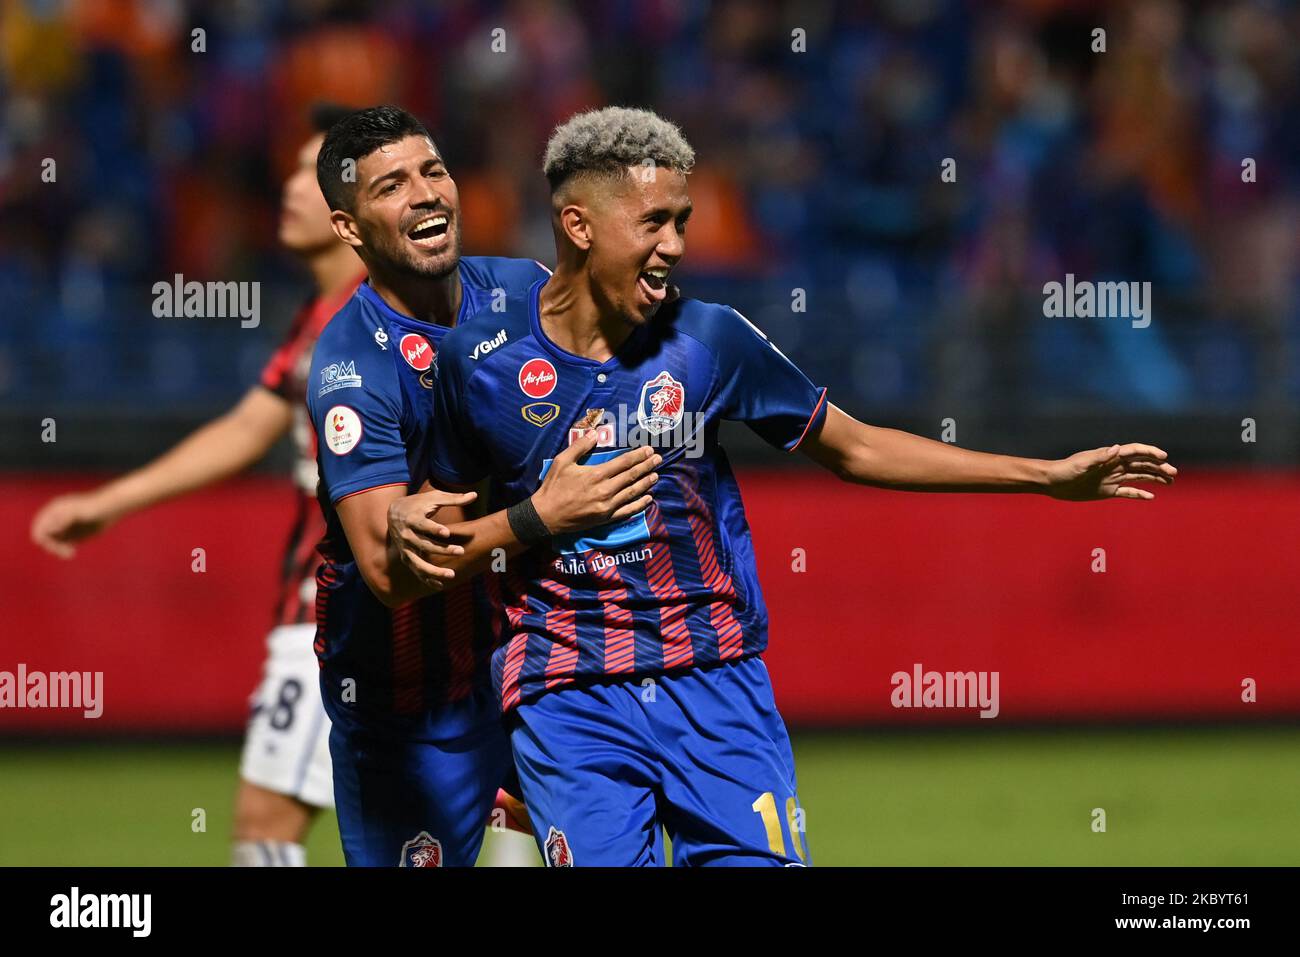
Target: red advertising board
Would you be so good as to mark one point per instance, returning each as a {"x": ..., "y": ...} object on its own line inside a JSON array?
[{"x": 1115, "y": 611}]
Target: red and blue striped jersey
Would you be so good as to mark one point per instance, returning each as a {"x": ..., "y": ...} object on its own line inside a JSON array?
[
  {"x": 286, "y": 374},
  {"x": 671, "y": 588},
  {"x": 370, "y": 397}
]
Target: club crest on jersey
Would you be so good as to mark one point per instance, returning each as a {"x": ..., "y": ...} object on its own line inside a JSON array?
[
  {"x": 663, "y": 399},
  {"x": 342, "y": 429},
  {"x": 416, "y": 351},
  {"x": 557, "y": 849},
  {"x": 540, "y": 414},
  {"x": 594, "y": 419},
  {"x": 422, "y": 850},
  {"x": 537, "y": 378}
]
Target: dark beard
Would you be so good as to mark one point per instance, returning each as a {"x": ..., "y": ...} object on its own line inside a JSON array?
[
  {"x": 402, "y": 262},
  {"x": 428, "y": 271}
]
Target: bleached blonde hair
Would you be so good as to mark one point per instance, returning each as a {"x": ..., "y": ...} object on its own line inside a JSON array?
[{"x": 610, "y": 140}]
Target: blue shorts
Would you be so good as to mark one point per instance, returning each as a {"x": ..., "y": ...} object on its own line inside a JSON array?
[
  {"x": 702, "y": 753},
  {"x": 416, "y": 791}
]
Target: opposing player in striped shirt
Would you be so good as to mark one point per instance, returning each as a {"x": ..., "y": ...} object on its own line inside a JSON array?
[{"x": 284, "y": 774}]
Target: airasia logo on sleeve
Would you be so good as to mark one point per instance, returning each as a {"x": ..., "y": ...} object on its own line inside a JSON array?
[
  {"x": 537, "y": 378},
  {"x": 416, "y": 351}
]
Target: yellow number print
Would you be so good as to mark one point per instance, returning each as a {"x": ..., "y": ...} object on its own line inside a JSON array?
[{"x": 765, "y": 806}]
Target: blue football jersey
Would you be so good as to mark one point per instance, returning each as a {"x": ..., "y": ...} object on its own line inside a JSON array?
[
  {"x": 671, "y": 588},
  {"x": 371, "y": 401}
]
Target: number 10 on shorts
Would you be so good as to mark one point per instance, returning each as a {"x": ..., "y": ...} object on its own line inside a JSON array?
[{"x": 765, "y": 807}]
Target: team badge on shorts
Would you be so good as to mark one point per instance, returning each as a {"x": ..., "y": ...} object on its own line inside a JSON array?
[
  {"x": 663, "y": 400},
  {"x": 557, "y": 849},
  {"x": 422, "y": 851}
]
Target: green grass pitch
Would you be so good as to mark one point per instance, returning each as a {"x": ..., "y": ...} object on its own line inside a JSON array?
[{"x": 1005, "y": 797}]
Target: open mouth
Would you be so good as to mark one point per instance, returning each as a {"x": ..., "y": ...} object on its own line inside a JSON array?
[
  {"x": 653, "y": 284},
  {"x": 430, "y": 231}
]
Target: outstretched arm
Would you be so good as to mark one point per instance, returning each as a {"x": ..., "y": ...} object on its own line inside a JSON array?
[
  {"x": 888, "y": 458},
  {"x": 221, "y": 448}
]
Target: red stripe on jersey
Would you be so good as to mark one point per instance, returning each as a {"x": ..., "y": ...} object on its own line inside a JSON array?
[
  {"x": 518, "y": 607},
  {"x": 279, "y": 373},
  {"x": 518, "y": 645},
  {"x": 514, "y": 664},
  {"x": 678, "y": 652},
  {"x": 408, "y": 659},
  {"x": 302, "y": 564},
  {"x": 808, "y": 425},
  {"x": 285, "y": 375},
  {"x": 562, "y": 628},
  {"x": 731, "y": 637},
  {"x": 721, "y": 614},
  {"x": 663, "y": 582},
  {"x": 459, "y": 637},
  {"x": 620, "y": 644},
  {"x": 324, "y": 578},
  {"x": 373, "y": 488}
]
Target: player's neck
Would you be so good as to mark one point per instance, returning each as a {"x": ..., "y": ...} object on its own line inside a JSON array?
[
  {"x": 571, "y": 318},
  {"x": 435, "y": 301},
  {"x": 333, "y": 269}
]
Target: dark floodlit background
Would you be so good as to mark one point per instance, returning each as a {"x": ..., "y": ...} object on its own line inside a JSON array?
[{"x": 818, "y": 183}]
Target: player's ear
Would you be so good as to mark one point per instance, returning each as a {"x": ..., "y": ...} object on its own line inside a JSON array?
[
  {"x": 345, "y": 227},
  {"x": 576, "y": 225}
]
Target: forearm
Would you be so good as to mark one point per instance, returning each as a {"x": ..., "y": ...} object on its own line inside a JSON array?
[
  {"x": 451, "y": 549},
  {"x": 485, "y": 540},
  {"x": 889, "y": 458},
  {"x": 213, "y": 453},
  {"x": 421, "y": 549},
  {"x": 394, "y": 584},
  {"x": 222, "y": 448}
]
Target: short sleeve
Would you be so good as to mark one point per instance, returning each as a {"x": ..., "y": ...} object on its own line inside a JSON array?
[
  {"x": 761, "y": 387},
  {"x": 456, "y": 454},
  {"x": 358, "y": 424}
]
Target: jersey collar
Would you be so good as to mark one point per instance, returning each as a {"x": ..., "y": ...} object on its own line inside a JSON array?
[
  {"x": 367, "y": 292},
  {"x": 562, "y": 354}
]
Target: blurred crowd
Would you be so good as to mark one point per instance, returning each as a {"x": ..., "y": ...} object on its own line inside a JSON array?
[{"x": 821, "y": 130}]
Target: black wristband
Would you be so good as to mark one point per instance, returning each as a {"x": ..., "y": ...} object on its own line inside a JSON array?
[{"x": 526, "y": 523}]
